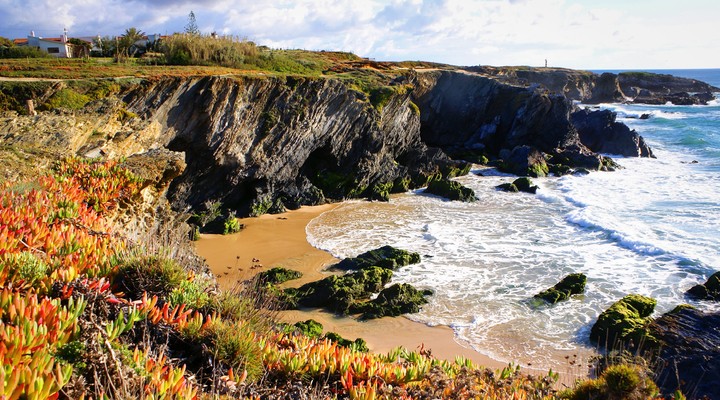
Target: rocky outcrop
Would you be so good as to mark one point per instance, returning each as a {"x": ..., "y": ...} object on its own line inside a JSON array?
[
  {"x": 689, "y": 352},
  {"x": 648, "y": 88},
  {"x": 450, "y": 190},
  {"x": 625, "y": 323},
  {"x": 600, "y": 132},
  {"x": 591, "y": 88},
  {"x": 253, "y": 142},
  {"x": 463, "y": 113},
  {"x": 523, "y": 184},
  {"x": 254, "y": 145},
  {"x": 568, "y": 286},
  {"x": 386, "y": 257},
  {"x": 575, "y": 84},
  {"x": 709, "y": 290}
]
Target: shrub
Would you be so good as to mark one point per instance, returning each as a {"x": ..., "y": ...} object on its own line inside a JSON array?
[
  {"x": 67, "y": 98},
  {"x": 235, "y": 345},
  {"x": 156, "y": 275},
  {"x": 24, "y": 265},
  {"x": 232, "y": 225},
  {"x": 193, "y": 293}
]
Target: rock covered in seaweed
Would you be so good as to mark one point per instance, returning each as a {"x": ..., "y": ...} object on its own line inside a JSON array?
[
  {"x": 393, "y": 301},
  {"x": 568, "y": 286},
  {"x": 386, "y": 257},
  {"x": 450, "y": 190},
  {"x": 523, "y": 184},
  {"x": 710, "y": 290},
  {"x": 625, "y": 322}
]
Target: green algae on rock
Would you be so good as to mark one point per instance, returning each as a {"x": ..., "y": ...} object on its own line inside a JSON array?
[
  {"x": 277, "y": 275},
  {"x": 626, "y": 321},
  {"x": 568, "y": 286},
  {"x": 450, "y": 190},
  {"x": 386, "y": 257},
  {"x": 393, "y": 301}
]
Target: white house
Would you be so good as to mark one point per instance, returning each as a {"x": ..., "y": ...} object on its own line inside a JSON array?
[{"x": 57, "y": 47}]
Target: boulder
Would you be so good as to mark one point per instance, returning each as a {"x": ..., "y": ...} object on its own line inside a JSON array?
[
  {"x": 523, "y": 184},
  {"x": 568, "y": 286},
  {"x": 710, "y": 290},
  {"x": 386, "y": 257},
  {"x": 690, "y": 352},
  {"x": 393, "y": 301},
  {"x": 450, "y": 190},
  {"x": 625, "y": 323},
  {"x": 600, "y": 132},
  {"x": 338, "y": 293},
  {"x": 277, "y": 275},
  {"x": 524, "y": 161}
]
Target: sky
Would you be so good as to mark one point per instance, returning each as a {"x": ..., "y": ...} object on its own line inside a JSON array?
[{"x": 581, "y": 34}]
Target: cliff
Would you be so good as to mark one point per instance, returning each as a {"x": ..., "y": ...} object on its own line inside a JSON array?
[
  {"x": 258, "y": 144},
  {"x": 591, "y": 88}
]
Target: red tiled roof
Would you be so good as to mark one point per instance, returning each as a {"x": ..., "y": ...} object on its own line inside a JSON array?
[{"x": 20, "y": 41}]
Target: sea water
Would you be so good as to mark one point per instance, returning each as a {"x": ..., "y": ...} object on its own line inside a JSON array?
[{"x": 650, "y": 228}]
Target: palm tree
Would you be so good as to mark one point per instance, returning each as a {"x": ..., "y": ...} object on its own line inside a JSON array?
[{"x": 127, "y": 41}]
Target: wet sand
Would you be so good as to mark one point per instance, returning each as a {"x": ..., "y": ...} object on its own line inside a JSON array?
[{"x": 280, "y": 240}]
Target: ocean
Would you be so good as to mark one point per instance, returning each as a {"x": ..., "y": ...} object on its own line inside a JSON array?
[{"x": 650, "y": 228}]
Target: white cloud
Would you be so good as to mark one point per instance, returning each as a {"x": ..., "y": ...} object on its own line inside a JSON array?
[{"x": 572, "y": 33}]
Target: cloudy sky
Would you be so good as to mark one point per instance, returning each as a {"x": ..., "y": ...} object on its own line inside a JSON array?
[{"x": 587, "y": 34}]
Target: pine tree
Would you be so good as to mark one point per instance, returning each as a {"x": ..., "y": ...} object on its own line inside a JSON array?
[{"x": 191, "y": 27}]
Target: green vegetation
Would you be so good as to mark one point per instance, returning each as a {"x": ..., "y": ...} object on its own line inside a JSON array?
[
  {"x": 622, "y": 381},
  {"x": 232, "y": 225}
]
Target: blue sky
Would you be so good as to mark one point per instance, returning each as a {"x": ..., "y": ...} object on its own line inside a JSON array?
[{"x": 600, "y": 34}]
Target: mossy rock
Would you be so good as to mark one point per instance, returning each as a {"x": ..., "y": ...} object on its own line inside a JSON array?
[
  {"x": 358, "y": 344},
  {"x": 568, "y": 286},
  {"x": 450, "y": 190},
  {"x": 277, "y": 275},
  {"x": 309, "y": 328},
  {"x": 393, "y": 301},
  {"x": 338, "y": 293},
  {"x": 451, "y": 171},
  {"x": 710, "y": 290},
  {"x": 508, "y": 187},
  {"x": 386, "y": 257},
  {"x": 559, "y": 169},
  {"x": 524, "y": 184},
  {"x": 625, "y": 323}
]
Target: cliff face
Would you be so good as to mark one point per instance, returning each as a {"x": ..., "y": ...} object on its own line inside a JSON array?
[
  {"x": 466, "y": 113},
  {"x": 263, "y": 144},
  {"x": 255, "y": 144}
]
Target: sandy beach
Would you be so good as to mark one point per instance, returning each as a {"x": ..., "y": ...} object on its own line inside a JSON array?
[{"x": 280, "y": 240}]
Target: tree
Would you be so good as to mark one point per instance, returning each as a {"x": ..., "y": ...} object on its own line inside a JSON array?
[
  {"x": 81, "y": 48},
  {"x": 5, "y": 42},
  {"x": 106, "y": 44},
  {"x": 191, "y": 28},
  {"x": 127, "y": 43}
]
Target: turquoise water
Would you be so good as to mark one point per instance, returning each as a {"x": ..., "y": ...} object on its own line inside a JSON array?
[{"x": 650, "y": 228}]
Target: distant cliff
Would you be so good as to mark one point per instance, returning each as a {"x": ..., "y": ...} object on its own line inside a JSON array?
[{"x": 591, "y": 88}]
